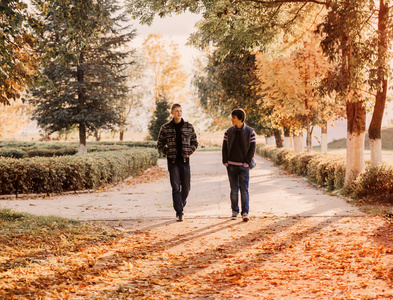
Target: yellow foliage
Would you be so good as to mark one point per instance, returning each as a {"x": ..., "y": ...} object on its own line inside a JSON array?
[
  {"x": 20, "y": 68},
  {"x": 289, "y": 84},
  {"x": 14, "y": 117},
  {"x": 168, "y": 74}
]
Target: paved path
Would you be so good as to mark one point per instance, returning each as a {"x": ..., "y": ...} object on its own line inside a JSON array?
[{"x": 272, "y": 192}]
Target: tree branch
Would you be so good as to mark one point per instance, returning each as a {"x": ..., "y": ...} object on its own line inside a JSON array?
[
  {"x": 296, "y": 15},
  {"x": 326, "y": 2}
]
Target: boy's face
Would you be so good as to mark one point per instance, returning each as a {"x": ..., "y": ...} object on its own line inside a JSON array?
[
  {"x": 236, "y": 122},
  {"x": 177, "y": 112}
]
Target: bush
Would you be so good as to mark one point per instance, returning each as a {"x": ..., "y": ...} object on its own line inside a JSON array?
[
  {"x": 51, "y": 152},
  {"x": 374, "y": 182},
  {"x": 298, "y": 163},
  {"x": 327, "y": 171},
  {"x": 49, "y": 149},
  {"x": 323, "y": 169},
  {"x": 12, "y": 153},
  {"x": 70, "y": 173},
  {"x": 279, "y": 156},
  {"x": 265, "y": 151}
]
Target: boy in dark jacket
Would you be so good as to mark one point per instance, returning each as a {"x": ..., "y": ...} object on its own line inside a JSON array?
[
  {"x": 238, "y": 150},
  {"x": 177, "y": 140}
]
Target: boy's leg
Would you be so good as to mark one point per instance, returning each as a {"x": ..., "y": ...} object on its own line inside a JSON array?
[
  {"x": 234, "y": 184},
  {"x": 244, "y": 178},
  {"x": 174, "y": 174},
  {"x": 185, "y": 178}
]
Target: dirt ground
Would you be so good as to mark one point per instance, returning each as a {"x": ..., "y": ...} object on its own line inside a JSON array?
[
  {"x": 265, "y": 258},
  {"x": 318, "y": 255}
]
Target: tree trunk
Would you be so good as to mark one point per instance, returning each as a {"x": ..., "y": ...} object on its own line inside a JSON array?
[
  {"x": 81, "y": 99},
  {"x": 82, "y": 139},
  {"x": 98, "y": 136},
  {"x": 309, "y": 135},
  {"x": 374, "y": 130},
  {"x": 277, "y": 136},
  {"x": 356, "y": 128},
  {"x": 287, "y": 142},
  {"x": 356, "y": 116},
  {"x": 270, "y": 140},
  {"x": 121, "y": 135},
  {"x": 324, "y": 145},
  {"x": 298, "y": 143},
  {"x": 287, "y": 137}
]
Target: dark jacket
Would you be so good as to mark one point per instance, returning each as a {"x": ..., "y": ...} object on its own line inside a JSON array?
[
  {"x": 166, "y": 143},
  {"x": 248, "y": 143}
]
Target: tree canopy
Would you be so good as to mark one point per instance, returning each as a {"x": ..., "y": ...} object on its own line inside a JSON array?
[
  {"x": 163, "y": 60},
  {"x": 18, "y": 58}
]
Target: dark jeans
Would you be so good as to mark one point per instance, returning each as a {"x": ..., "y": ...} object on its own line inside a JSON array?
[
  {"x": 239, "y": 178},
  {"x": 180, "y": 177}
]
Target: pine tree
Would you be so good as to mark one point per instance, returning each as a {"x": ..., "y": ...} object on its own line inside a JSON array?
[
  {"x": 228, "y": 84},
  {"x": 160, "y": 116},
  {"x": 84, "y": 70}
]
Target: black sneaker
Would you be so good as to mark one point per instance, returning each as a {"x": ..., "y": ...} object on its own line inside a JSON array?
[
  {"x": 179, "y": 218},
  {"x": 234, "y": 215}
]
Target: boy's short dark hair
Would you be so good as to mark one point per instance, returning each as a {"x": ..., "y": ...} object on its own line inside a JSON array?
[
  {"x": 239, "y": 113},
  {"x": 175, "y": 105}
]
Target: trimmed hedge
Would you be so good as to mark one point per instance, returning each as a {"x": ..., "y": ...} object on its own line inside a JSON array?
[
  {"x": 13, "y": 153},
  {"x": 16, "y": 149},
  {"x": 326, "y": 170},
  {"x": 375, "y": 183},
  {"x": 71, "y": 173}
]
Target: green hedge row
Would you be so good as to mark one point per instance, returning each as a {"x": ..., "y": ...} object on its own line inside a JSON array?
[
  {"x": 20, "y": 153},
  {"x": 328, "y": 170},
  {"x": 71, "y": 173},
  {"x": 50, "y": 149}
]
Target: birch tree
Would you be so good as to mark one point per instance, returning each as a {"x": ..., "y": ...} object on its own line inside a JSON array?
[{"x": 381, "y": 72}]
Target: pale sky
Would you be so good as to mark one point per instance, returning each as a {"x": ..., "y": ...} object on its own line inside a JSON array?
[{"x": 176, "y": 28}]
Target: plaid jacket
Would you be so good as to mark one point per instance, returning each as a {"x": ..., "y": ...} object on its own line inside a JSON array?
[{"x": 166, "y": 143}]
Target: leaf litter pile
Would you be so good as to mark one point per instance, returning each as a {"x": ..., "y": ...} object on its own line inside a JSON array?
[{"x": 200, "y": 258}]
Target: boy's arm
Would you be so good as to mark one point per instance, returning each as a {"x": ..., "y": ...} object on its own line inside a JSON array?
[
  {"x": 193, "y": 140},
  {"x": 161, "y": 142},
  {"x": 225, "y": 149},
  {"x": 251, "y": 150}
]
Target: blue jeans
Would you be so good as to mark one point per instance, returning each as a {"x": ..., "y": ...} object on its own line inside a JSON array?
[
  {"x": 238, "y": 178},
  {"x": 180, "y": 177}
]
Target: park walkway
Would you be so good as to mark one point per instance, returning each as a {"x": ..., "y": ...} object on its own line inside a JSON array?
[{"x": 272, "y": 192}]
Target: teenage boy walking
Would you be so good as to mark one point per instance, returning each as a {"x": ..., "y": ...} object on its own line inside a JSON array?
[
  {"x": 177, "y": 140},
  {"x": 238, "y": 149}
]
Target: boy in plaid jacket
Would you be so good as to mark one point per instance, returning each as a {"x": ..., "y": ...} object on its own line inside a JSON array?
[{"x": 177, "y": 140}]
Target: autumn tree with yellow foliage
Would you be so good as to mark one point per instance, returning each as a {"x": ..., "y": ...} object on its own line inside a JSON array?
[
  {"x": 290, "y": 86},
  {"x": 19, "y": 60},
  {"x": 163, "y": 60}
]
